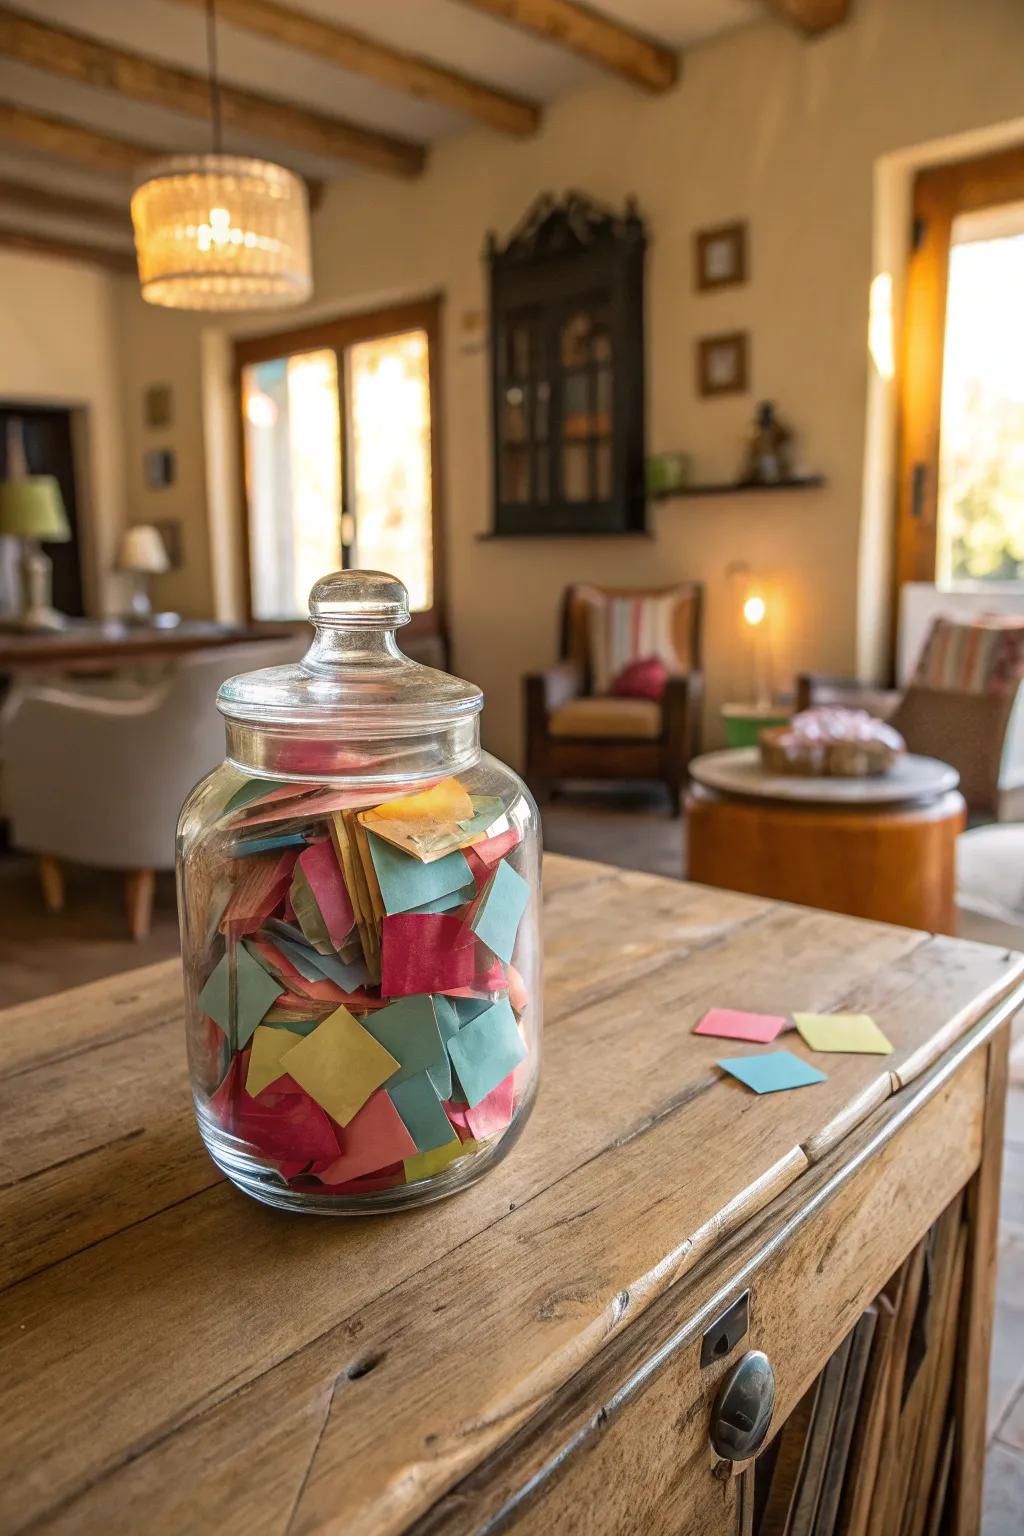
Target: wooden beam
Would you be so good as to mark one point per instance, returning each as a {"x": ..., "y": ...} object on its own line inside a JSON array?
[
  {"x": 74, "y": 56},
  {"x": 70, "y": 141},
  {"x": 811, "y": 16},
  {"x": 599, "y": 39},
  {"x": 68, "y": 250},
  {"x": 392, "y": 67},
  {"x": 27, "y": 194}
]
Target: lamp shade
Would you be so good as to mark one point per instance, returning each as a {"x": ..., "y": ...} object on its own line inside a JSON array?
[
  {"x": 221, "y": 232},
  {"x": 33, "y": 508},
  {"x": 143, "y": 551}
]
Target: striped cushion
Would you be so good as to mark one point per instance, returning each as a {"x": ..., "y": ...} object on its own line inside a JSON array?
[
  {"x": 985, "y": 655},
  {"x": 623, "y": 630}
]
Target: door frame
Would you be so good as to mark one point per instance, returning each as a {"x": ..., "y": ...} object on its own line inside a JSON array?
[
  {"x": 940, "y": 194},
  {"x": 339, "y": 333}
]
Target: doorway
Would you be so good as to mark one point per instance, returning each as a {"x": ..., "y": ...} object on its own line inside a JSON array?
[
  {"x": 48, "y": 433},
  {"x": 340, "y": 427}
]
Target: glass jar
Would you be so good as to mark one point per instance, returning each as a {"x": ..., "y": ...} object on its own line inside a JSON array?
[{"x": 358, "y": 893}]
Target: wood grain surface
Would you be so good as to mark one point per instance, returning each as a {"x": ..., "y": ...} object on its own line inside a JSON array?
[{"x": 177, "y": 1357}]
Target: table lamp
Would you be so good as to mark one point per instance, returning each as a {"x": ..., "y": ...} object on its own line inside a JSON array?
[
  {"x": 143, "y": 554},
  {"x": 31, "y": 509}
]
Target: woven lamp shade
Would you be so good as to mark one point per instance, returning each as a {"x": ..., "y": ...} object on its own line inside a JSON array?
[{"x": 221, "y": 232}]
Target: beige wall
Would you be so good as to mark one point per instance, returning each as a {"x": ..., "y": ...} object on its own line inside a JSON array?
[
  {"x": 58, "y": 347},
  {"x": 764, "y": 126}
]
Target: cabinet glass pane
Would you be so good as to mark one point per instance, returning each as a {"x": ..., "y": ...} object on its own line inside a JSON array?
[
  {"x": 576, "y": 472},
  {"x": 514, "y": 426},
  {"x": 603, "y": 471},
  {"x": 575, "y": 341},
  {"x": 600, "y": 339},
  {"x": 515, "y": 474},
  {"x": 542, "y": 400},
  {"x": 518, "y": 350},
  {"x": 602, "y": 422},
  {"x": 576, "y": 405},
  {"x": 541, "y": 477}
]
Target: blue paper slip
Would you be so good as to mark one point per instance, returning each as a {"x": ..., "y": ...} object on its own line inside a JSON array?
[
  {"x": 486, "y": 1050},
  {"x": 254, "y": 845},
  {"x": 772, "y": 1072},
  {"x": 421, "y": 1113},
  {"x": 407, "y": 884},
  {"x": 408, "y": 1030},
  {"x": 255, "y": 992},
  {"x": 496, "y": 920}
]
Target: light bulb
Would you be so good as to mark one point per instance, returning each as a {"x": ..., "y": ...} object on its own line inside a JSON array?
[{"x": 754, "y": 610}]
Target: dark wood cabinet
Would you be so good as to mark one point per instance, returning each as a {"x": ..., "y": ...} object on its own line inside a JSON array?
[{"x": 567, "y": 361}]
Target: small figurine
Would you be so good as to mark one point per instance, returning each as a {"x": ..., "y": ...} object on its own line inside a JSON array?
[{"x": 769, "y": 456}]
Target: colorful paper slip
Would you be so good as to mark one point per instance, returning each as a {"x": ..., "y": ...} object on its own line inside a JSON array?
[
  {"x": 498, "y": 911},
  {"x": 855, "y": 1033},
  {"x": 339, "y": 1065},
  {"x": 255, "y": 992},
  {"x": 445, "y": 801},
  {"x": 428, "y": 1163},
  {"x": 490, "y": 1116},
  {"x": 420, "y": 1108},
  {"x": 772, "y": 1072},
  {"x": 374, "y": 1138},
  {"x": 249, "y": 847},
  {"x": 269, "y": 1044},
  {"x": 258, "y": 889},
  {"x": 320, "y": 866},
  {"x": 406, "y": 884},
  {"x": 420, "y": 954},
  {"x": 307, "y": 913},
  {"x": 486, "y": 1050},
  {"x": 408, "y": 1030},
  {"x": 734, "y": 1024}
]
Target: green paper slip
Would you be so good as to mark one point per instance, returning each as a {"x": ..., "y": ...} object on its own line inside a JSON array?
[
  {"x": 496, "y": 920},
  {"x": 251, "y": 791},
  {"x": 255, "y": 991},
  {"x": 486, "y": 1050},
  {"x": 486, "y": 810},
  {"x": 469, "y": 1008},
  {"x": 407, "y": 884},
  {"x": 420, "y": 1109},
  {"x": 856, "y": 1033},
  {"x": 408, "y": 1029},
  {"x": 447, "y": 903},
  {"x": 772, "y": 1072}
]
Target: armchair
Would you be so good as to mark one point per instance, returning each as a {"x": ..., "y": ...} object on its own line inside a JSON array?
[
  {"x": 99, "y": 780},
  {"x": 576, "y": 729},
  {"x": 964, "y": 705}
]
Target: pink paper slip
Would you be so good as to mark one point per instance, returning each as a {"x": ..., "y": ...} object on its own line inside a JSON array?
[
  {"x": 733, "y": 1024},
  {"x": 320, "y": 867}
]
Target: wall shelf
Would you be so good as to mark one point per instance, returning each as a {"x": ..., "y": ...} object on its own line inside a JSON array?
[{"x": 805, "y": 483}]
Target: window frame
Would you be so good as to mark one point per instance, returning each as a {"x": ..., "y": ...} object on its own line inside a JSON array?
[
  {"x": 338, "y": 335},
  {"x": 940, "y": 194}
]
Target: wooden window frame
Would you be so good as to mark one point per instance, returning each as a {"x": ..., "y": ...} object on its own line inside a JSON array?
[
  {"x": 941, "y": 193},
  {"x": 338, "y": 334}
]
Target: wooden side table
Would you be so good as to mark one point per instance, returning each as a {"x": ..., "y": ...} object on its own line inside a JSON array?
[
  {"x": 881, "y": 848},
  {"x": 550, "y": 1350}
]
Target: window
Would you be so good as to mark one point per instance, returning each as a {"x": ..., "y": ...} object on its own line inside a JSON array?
[
  {"x": 981, "y": 449},
  {"x": 338, "y": 429}
]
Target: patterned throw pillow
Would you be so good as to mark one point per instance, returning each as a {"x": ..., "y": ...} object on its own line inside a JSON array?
[
  {"x": 622, "y": 630},
  {"x": 982, "y": 655}
]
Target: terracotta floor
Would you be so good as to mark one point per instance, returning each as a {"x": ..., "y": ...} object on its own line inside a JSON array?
[{"x": 41, "y": 954}]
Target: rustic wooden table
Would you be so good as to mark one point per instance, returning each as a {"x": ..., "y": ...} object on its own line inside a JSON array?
[{"x": 175, "y": 1358}]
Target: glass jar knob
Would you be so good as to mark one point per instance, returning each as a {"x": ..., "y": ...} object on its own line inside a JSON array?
[{"x": 359, "y": 600}]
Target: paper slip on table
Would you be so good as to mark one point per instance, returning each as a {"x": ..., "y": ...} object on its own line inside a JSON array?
[{"x": 543, "y": 1353}]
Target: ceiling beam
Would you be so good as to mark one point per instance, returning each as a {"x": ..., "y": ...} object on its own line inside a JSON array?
[
  {"x": 29, "y": 194},
  {"x": 811, "y": 16},
  {"x": 69, "y": 250},
  {"x": 599, "y": 39},
  {"x": 74, "y": 56},
  {"x": 363, "y": 55},
  {"x": 70, "y": 141}
]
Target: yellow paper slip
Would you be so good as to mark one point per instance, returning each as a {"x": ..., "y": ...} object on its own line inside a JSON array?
[
  {"x": 268, "y": 1046},
  {"x": 447, "y": 801},
  {"x": 339, "y": 1065},
  {"x": 856, "y": 1033},
  {"x": 425, "y": 1164}
]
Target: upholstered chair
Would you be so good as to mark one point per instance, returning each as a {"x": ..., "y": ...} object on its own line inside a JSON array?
[{"x": 583, "y": 720}]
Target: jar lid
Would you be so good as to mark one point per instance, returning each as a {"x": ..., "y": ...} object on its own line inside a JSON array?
[{"x": 354, "y": 676}]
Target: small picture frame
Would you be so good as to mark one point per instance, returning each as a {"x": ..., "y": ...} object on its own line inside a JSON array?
[
  {"x": 722, "y": 364},
  {"x": 159, "y": 469},
  {"x": 721, "y": 257},
  {"x": 158, "y": 405}
]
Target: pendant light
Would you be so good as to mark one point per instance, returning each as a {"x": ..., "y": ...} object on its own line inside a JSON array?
[{"x": 217, "y": 231}]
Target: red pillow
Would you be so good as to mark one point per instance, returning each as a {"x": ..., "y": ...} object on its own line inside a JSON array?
[{"x": 643, "y": 679}]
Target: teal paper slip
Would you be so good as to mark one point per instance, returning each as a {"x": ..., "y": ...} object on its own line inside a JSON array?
[
  {"x": 772, "y": 1072},
  {"x": 408, "y": 885}
]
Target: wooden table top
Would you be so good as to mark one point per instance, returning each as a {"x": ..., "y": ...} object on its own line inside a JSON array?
[
  {"x": 113, "y": 642},
  {"x": 176, "y": 1357}
]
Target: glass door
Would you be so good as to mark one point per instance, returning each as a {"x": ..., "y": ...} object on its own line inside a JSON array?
[{"x": 339, "y": 446}]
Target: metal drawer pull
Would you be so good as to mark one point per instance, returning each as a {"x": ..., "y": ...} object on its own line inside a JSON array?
[{"x": 743, "y": 1408}]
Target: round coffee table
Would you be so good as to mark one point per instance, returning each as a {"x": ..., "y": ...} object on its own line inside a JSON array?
[{"x": 882, "y": 848}]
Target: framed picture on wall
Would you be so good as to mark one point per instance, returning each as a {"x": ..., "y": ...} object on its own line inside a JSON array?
[
  {"x": 722, "y": 364},
  {"x": 721, "y": 257},
  {"x": 159, "y": 469}
]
